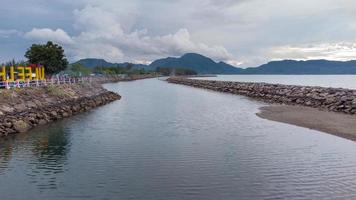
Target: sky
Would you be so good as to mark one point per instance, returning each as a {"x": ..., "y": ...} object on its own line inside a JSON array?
[{"x": 244, "y": 33}]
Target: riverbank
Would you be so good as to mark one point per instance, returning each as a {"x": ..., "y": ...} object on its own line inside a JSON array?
[
  {"x": 330, "y": 99},
  {"x": 330, "y": 110},
  {"x": 329, "y": 122},
  {"x": 22, "y": 109},
  {"x": 118, "y": 78}
]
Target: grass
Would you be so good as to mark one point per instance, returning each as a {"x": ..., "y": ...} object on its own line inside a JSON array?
[{"x": 56, "y": 91}]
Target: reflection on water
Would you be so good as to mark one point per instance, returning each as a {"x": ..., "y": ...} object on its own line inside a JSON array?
[
  {"x": 5, "y": 155},
  {"x": 45, "y": 153},
  {"x": 163, "y": 141}
]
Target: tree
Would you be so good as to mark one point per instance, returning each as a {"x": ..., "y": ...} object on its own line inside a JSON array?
[
  {"x": 50, "y": 55},
  {"x": 129, "y": 66},
  {"x": 80, "y": 69}
]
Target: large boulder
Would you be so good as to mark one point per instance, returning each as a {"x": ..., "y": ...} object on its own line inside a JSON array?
[{"x": 21, "y": 126}]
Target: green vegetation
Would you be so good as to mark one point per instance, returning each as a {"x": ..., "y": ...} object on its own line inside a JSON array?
[
  {"x": 14, "y": 63},
  {"x": 80, "y": 70},
  {"x": 56, "y": 91},
  {"x": 50, "y": 55}
]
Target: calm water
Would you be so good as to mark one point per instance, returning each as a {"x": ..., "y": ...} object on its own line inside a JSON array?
[
  {"x": 173, "y": 142},
  {"x": 336, "y": 81}
]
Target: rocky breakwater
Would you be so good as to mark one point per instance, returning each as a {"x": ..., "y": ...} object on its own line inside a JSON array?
[
  {"x": 24, "y": 108},
  {"x": 118, "y": 78},
  {"x": 331, "y": 99}
]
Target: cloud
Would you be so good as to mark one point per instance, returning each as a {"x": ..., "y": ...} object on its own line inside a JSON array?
[
  {"x": 250, "y": 32},
  {"x": 9, "y": 33},
  {"x": 103, "y": 36},
  {"x": 46, "y": 34},
  {"x": 342, "y": 51}
]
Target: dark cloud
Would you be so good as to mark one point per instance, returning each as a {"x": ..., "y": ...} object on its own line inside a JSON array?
[{"x": 238, "y": 31}]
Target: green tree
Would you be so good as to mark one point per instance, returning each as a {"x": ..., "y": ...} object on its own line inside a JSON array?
[
  {"x": 50, "y": 55},
  {"x": 80, "y": 69},
  {"x": 129, "y": 66}
]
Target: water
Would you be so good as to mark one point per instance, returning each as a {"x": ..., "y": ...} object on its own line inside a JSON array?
[
  {"x": 336, "y": 81},
  {"x": 166, "y": 142}
]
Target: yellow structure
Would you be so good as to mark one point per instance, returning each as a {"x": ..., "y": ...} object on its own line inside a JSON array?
[{"x": 22, "y": 74}]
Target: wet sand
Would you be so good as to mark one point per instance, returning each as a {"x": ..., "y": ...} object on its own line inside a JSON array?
[{"x": 338, "y": 124}]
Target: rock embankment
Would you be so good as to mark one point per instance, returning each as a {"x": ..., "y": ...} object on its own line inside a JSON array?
[
  {"x": 331, "y": 99},
  {"x": 24, "y": 108},
  {"x": 118, "y": 78}
]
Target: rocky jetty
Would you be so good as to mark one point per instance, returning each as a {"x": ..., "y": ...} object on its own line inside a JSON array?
[
  {"x": 24, "y": 108},
  {"x": 331, "y": 99},
  {"x": 118, "y": 78}
]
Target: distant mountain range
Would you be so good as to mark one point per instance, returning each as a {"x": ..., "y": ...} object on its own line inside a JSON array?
[
  {"x": 304, "y": 67},
  {"x": 94, "y": 62},
  {"x": 196, "y": 62},
  {"x": 205, "y": 65}
]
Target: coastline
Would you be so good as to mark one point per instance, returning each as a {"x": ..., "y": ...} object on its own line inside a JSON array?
[
  {"x": 330, "y": 110},
  {"x": 22, "y": 109},
  {"x": 330, "y": 99},
  {"x": 337, "y": 124}
]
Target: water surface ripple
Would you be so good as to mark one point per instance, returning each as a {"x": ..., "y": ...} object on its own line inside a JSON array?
[{"x": 163, "y": 141}]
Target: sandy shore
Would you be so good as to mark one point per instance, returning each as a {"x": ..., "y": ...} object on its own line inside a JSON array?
[{"x": 338, "y": 124}]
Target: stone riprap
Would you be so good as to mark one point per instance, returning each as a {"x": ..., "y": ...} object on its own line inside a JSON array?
[
  {"x": 118, "y": 78},
  {"x": 24, "y": 108},
  {"x": 331, "y": 99}
]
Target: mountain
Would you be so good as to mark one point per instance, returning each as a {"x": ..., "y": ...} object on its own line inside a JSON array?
[
  {"x": 196, "y": 62},
  {"x": 304, "y": 67},
  {"x": 205, "y": 65},
  {"x": 94, "y": 62}
]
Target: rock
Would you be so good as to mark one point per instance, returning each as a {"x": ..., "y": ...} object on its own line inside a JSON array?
[
  {"x": 36, "y": 107},
  {"x": 20, "y": 107},
  {"x": 42, "y": 122},
  {"x": 6, "y": 108},
  {"x": 7, "y": 124},
  {"x": 21, "y": 126},
  {"x": 65, "y": 114},
  {"x": 54, "y": 113},
  {"x": 353, "y": 105},
  {"x": 332, "y": 99}
]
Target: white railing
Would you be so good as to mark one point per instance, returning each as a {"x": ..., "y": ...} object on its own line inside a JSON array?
[{"x": 45, "y": 82}]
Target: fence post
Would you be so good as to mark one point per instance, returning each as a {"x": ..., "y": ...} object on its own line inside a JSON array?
[
  {"x": 7, "y": 84},
  {"x": 59, "y": 82}
]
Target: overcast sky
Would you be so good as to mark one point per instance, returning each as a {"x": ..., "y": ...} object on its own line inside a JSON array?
[{"x": 240, "y": 32}]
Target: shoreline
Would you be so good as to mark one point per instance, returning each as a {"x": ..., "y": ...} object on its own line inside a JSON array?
[
  {"x": 333, "y": 123},
  {"x": 330, "y": 99},
  {"x": 22, "y": 109},
  {"x": 25, "y": 108},
  {"x": 329, "y": 110}
]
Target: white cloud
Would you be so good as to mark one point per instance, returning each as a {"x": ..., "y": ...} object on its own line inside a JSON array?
[
  {"x": 9, "y": 33},
  {"x": 103, "y": 36},
  {"x": 46, "y": 34},
  {"x": 246, "y": 32},
  {"x": 342, "y": 51}
]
